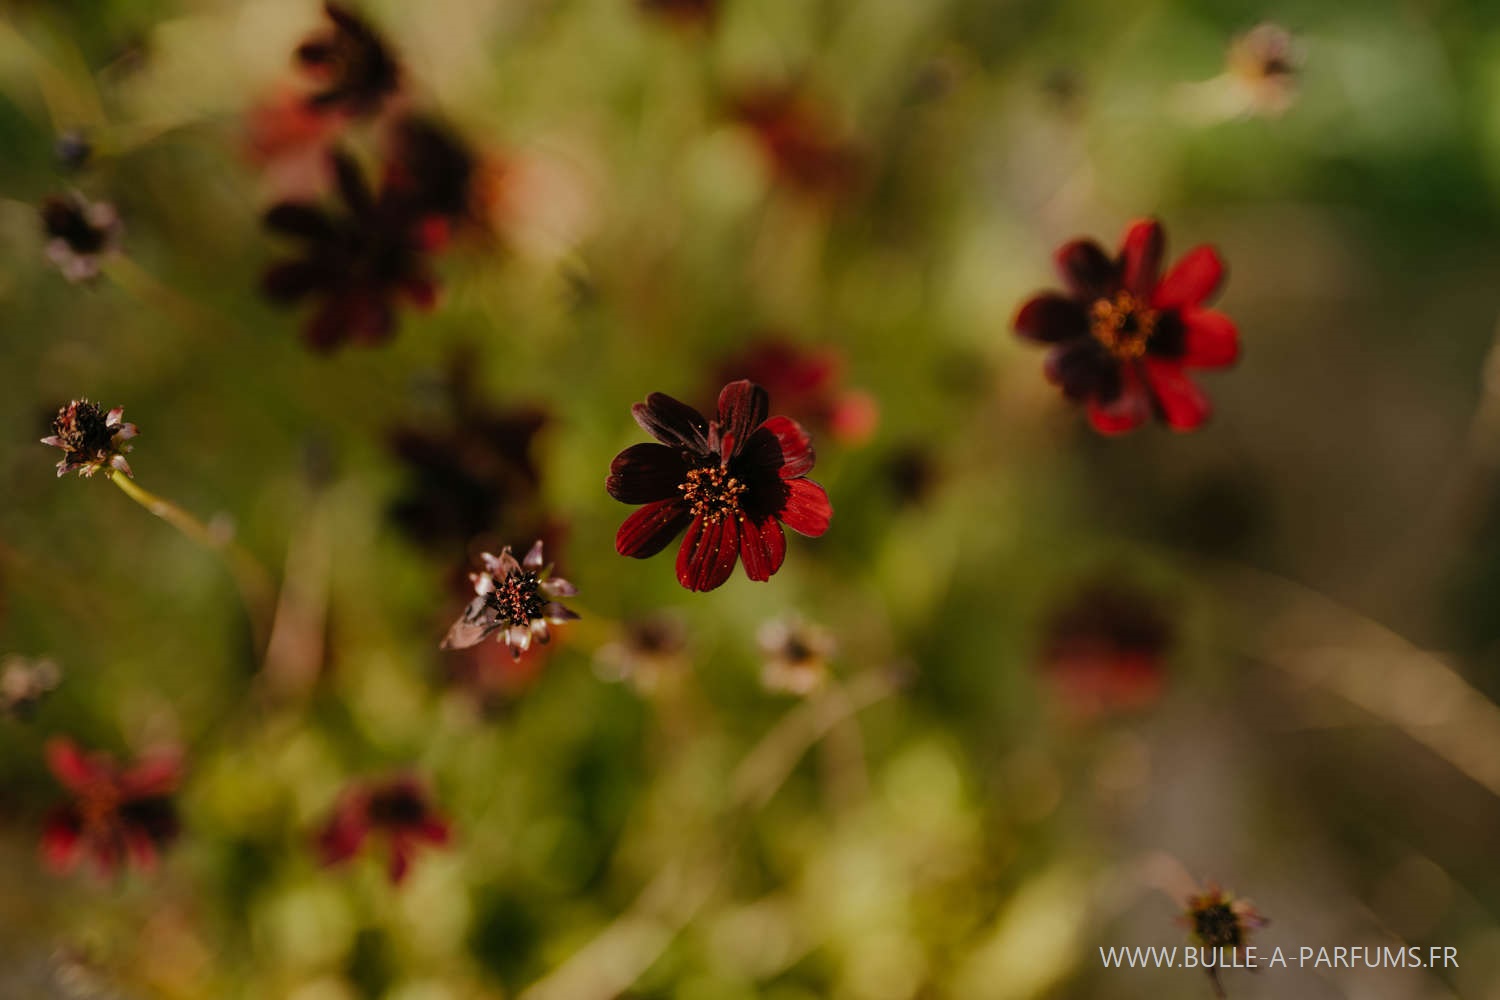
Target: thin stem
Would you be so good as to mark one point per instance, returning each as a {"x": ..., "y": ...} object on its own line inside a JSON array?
[{"x": 256, "y": 589}]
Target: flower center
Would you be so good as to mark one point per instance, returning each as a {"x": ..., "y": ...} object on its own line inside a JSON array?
[
  {"x": 98, "y": 805},
  {"x": 517, "y": 599},
  {"x": 1123, "y": 325},
  {"x": 712, "y": 493},
  {"x": 84, "y": 429},
  {"x": 1218, "y": 926},
  {"x": 396, "y": 807}
]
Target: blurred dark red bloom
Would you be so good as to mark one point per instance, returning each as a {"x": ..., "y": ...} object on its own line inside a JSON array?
[
  {"x": 90, "y": 438},
  {"x": 355, "y": 69},
  {"x": 397, "y": 809},
  {"x": 80, "y": 234},
  {"x": 800, "y": 144},
  {"x": 118, "y": 814},
  {"x": 691, "y": 13},
  {"x": 1122, "y": 335},
  {"x": 806, "y": 383},
  {"x": 731, "y": 483},
  {"x": 429, "y": 170},
  {"x": 1105, "y": 651},
  {"x": 360, "y": 264}
]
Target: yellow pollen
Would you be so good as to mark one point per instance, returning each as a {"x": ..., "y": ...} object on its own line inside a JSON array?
[
  {"x": 712, "y": 492},
  {"x": 1123, "y": 325}
]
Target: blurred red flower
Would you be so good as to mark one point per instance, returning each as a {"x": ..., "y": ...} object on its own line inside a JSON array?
[
  {"x": 1122, "y": 335},
  {"x": 354, "y": 67},
  {"x": 397, "y": 809},
  {"x": 1104, "y": 651},
  {"x": 118, "y": 814},
  {"x": 731, "y": 483},
  {"x": 801, "y": 146}
]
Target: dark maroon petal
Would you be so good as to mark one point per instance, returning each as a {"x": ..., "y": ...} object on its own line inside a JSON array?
[
  {"x": 331, "y": 323},
  {"x": 708, "y": 553},
  {"x": 762, "y": 547},
  {"x": 1181, "y": 403},
  {"x": 1130, "y": 407},
  {"x": 1140, "y": 258},
  {"x": 432, "y": 830},
  {"x": 1212, "y": 340},
  {"x": 342, "y": 838},
  {"x": 743, "y": 406},
  {"x": 318, "y": 52},
  {"x": 648, "y": 530},
  {"x": 287, "y": 282},
  {"x": 296, "y": 219},
  {"x": 1087, "y": 270},
  {"x": 672, "y": 422},
  {"x": 1194, "y": 280},
  {"x": 351, "y": 183},
  {"x": 1051, "y": 318},
  {"x": 1083, "y": 370},
  {"x": 797, "y": 455},
  {"x": 645, "y": 473},
  {"x": 807, "y": 510}
]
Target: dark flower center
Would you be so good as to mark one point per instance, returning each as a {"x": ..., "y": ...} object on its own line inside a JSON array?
[
  {"x": 1218, "y": 926},
  {"x": 1123, "y": 325},
  {"x": 396, "y": 807},
  {"x": 66, "y": 221},
  {"x": 84, "y": 429},
  {"x": 712, "y": 493},
  {"x": 517, "y": 599}
]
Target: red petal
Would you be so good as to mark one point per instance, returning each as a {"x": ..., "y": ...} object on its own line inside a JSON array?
[
  {"x": 1086, "y": 269},
  {"x": 154, "y": 776},
  {"x": 796, "y": 447},
  {"x": 1212, "y": 340},
  {"x": 1128, "y": 411},
  {"x": 708, "y": 553},
  {"x": 61, "y": 841},
  {"x": 75, "y": 769},
  {"x": 648, "y": 530},
  {"x": 1050, "y": 318},
  {"x": 743, "y": 406},
  {"x": 1140, "y": 257},
  {"x": 1182, "y": 404},
  {"x": 807, "y": 509},
  {"x": 645, "y": 473},
  {"x": 1194, "y": 279},
  {"x": 434, "y": 831},
  {"x": 762, "y": 547}
]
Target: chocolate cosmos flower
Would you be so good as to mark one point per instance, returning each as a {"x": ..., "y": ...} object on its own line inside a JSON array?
[
  {"x": 118, "y": 814},
  {"x": 398, "y": 809},
  {"x": 731, "y": 482},
  {"x": 90, "y": 438},
  {"x": 1105, "y": 651},
  {"x": 516, "y": 599},
  {"x": 353, "y": 64},
  {"x": 1122, "y": 335},
  {"x": 1217, "y": 920}
]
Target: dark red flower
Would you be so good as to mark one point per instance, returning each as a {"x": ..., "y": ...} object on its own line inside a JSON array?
[
  {"x": 90, "y": 438},
  {"x": 1105, "y": 651},
  {"x": 731, "y": 482},
  {"x": 1122, "y": 336},
  {"x": 801, "y": 146},
  {"x": 360, "y": 263},
  {"x": 398, "y": 809},
  {"x": 118, "y": 814},
  {"x": 354, "y": 67},
  {"x": 806, "y": 383},
  {"x": 689, "y": 13},
  {"x": 430, "y": 171}
]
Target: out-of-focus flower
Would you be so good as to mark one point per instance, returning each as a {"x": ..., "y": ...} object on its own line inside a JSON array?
[
  {"x": 1263, "y": 64},
  {"x": 796, "y": 656},
  {"x": 732, "y": 483},
  {"x": 429, "y": 170},
  {"x": 801, "y": 146},
  {"x": 689, "y": 13},
  {"x": 80, "y": 234},
  {"x": 73, "y": 149},
  {"x": 354, "y": 68},
  {"x": 1105, "y": 650},
  {"x": 1122, "y": 335},
  {"x": 118, "y": 814},
  {"x": 90, "y": 438},
  {"x": 1216, "y": 919},
  {"x": 517, "y": 600},
  {"x": 398, "y": 809},
  {"x": 647, "y": 653},
  {"x": 24, "y": 683},
  {"x": 360, "y": 264},
  {"x": 807, "y": 384}
]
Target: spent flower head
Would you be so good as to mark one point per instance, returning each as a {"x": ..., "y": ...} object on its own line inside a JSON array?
[
  {"x": 1219, "y": 920},
  {"x": 796, "y": 656},
  {"x": 118, "y": 814},
  {"x": 24, "y": 683},
  {"x": 91, "y": 438},
  {"x": 80, "y": 234},
  {"x": 1264, "y": 63},
  {"x": 516, "y": 601},
  {"x": 648, "y": 653}
]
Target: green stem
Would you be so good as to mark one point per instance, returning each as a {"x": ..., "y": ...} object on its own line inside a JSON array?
[{"x": 255, "y": 586}]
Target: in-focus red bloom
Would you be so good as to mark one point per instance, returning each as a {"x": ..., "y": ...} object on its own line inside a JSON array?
[
  {"x": 806, "y": 383},
  {"x": 397, "y": 809},
  {"x": 354, "y": 67},
  {"x": 1105, "y": 651},
  {"x": 731, "y": 482},
  {"x": 516, "y": 601},
  {"x": 90, "y": 438},
  {"x": 360, "y": 263},
  {"x": 689, "y": 13},
  {"x": 1218, "y": 920},
  {"x": 805, "y": 152},
  {"x": 1122, "y": 336},
  {"x": 118, "y": 814}
]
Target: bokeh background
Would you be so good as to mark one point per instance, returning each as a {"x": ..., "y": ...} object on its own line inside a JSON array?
[{"x": 966, "y": 806}]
